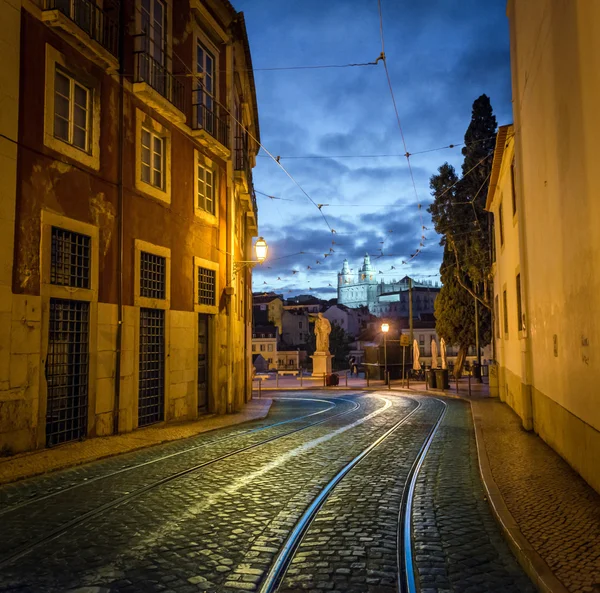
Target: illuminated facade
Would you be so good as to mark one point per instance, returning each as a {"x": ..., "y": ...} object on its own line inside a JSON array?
[{"x": 388, "y": 299}]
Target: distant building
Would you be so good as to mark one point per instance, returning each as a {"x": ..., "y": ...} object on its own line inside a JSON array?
[
  {"x": 296, "y": 327},
  {"x": 352, "y": 321},
  {"x": 264, "y": 342},
  {"x": 384, "y": 299}
]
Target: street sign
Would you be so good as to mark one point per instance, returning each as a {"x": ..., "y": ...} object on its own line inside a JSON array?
[{"x": 404, "y": 340}]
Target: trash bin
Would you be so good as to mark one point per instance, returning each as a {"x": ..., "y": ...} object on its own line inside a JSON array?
[
  {"x": 476, "y": 370},
  {"x": 441, "y": 379},
  {"x": 431, "y": 378},
  {"x": 335, "y": 379}
]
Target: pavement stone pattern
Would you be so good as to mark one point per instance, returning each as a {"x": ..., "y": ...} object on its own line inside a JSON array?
[
  {"x": 458, "y": 546},
  {"x": 41, "y": 461},
  {"x": 34, "y": 520},
  {"x": 214, "y": 529},
  {"x": 53, "y": 482},
  {"x": 555, "y": 509},
  {"x": 351, "y": 545}
]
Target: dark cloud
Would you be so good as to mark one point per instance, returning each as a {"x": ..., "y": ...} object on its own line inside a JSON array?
[{"x": 441, "y": 55}]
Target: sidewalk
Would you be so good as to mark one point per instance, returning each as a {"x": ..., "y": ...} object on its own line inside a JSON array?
[
  {"x": 33, "y": 463},
  {"x": 550, "y": 514}
]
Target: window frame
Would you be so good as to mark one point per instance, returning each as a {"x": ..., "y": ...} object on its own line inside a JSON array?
[
  {"x": 501, "y": 224},
  {"x": 148, "y": 302},
  {"x": 513, "y": 187},
  {"x": 200, "y": 262},
  {"x": 520, "y": 326},
  {"x": 90, "y": 157},
  {"x": 201, "y": 160},
  {"x": 146, "y": 123},
  {"x": 505, "y": 310},
  {"x": 71, "y": 99}
]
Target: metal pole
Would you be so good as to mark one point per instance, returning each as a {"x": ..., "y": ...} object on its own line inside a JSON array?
[
  {"x": 277, "y": 378},
  {"x": 367, "y": 375},
  {"x": 385, "y": 356},
  {"x": 477, "y": 339},
  {"x": 469, "y": 375},
  {"x": 388, "y": 381},
  {"x": 410, "y": 309},
  {"x": 301, "y": 373},
  {"x": 403, "y": 361},
  {"x": 346, "y": 378},
  {"x": 259, "y": 388},
  {"x": 407, "y": 380}
]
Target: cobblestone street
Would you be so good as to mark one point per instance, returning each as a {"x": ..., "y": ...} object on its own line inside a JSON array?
[{"x": 215, "y": 512}]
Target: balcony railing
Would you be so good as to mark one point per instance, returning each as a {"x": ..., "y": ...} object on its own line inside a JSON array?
[
  {"x": 207, "y": 119},
  {"x": 153, "y": 73},
  {"x": 241, "y": 158},
  {"x": 91, "y": 19}
]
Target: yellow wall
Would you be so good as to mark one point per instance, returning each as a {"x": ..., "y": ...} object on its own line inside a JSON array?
[{"x": 556, "y": 92}]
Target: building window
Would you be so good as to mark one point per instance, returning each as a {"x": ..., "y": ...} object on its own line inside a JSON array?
[
  {"x": 205, "y": 194},
  {"x": 299, "y": 324},
  {"x": 262, "y": 347},
  {"x": 421, "y": 339},
  {"x": 253, "y": 347},
  {"x": 154, "y": 31},
  {"x": 505, "y": 306},
  {"x": 497, "y": 316},
  {"x": 152, "y": 275},
  {"x": 153, "y": 159},
  {"x": 270, "y": 348},
  {"x": 72, "y": 102},
  {"x": 519, "y": 308},
  {"x": 501, "y": 225},
  {"x": 71, "y": 110},
  {"x": 70, "y": 258},
  {"x": 512, "y": 186},
  {"x": 205, "y": 65},
  {"x": 206, "y": 286}
]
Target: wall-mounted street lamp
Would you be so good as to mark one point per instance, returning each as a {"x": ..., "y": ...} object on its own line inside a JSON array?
[
  {"x": 385, "y": 328},
  {"x": 261, "y": 249}
]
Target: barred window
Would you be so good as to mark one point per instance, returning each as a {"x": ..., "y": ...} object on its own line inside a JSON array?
[
  {"x": 70, "y": 259},
  {"x": 206, "y": 286},
  {"x": 153, "y": 276}
]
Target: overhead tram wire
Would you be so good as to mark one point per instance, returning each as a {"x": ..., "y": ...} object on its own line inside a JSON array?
[
  {"x": 200, "y": 81},
  {"x": 406, "y": 153},
  {"x": 378, "y": 156}
]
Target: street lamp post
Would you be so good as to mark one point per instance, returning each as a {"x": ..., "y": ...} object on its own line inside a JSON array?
[{"x": 385, "y": 328}]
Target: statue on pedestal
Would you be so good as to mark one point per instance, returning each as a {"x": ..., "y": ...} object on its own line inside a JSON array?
[{"x": 322, "y": 331}]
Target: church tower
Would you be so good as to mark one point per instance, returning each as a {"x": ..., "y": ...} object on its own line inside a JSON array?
[
  {"x": 344, "y": 282},
  {"x": 368, "y": 282}
]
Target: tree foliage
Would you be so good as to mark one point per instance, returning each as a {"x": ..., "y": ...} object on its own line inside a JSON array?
[{"x": 458, "y": 213}]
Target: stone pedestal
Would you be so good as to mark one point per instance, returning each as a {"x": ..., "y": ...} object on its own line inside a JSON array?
[{"x": 321, "y": 363}]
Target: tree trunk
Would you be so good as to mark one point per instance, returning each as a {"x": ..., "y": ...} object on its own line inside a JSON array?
[{"x": 460, "y": 361}]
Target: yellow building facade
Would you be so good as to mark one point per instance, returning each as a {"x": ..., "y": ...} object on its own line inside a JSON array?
[
  {"x": 123, "y": 302},
  {"x": 550, "y": 368}
]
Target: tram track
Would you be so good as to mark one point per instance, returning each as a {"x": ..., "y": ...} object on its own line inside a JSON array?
[
  {"x": 87, "y": 481},
  {"x": 19, "y": 552},
  {"x": 405, "y": 572}
]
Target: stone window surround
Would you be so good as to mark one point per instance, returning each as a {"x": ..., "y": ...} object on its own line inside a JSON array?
[
  {"x": 143, "y": 120},
  {"x": 207, "y": 217},
  {"x": 200, "y": 262},
  {"x": 49, "y": 291},
  {"x": 146, "y": 302},
  {"x": 91, "y": 158}
]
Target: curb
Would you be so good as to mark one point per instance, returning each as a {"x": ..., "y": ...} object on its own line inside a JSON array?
[{"x": 532, "y": 563}]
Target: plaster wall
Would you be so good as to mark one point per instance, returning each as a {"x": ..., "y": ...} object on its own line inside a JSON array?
[{"x": 556, "y": 90}]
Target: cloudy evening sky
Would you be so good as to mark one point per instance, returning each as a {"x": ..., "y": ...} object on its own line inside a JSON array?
[{"x": 441, "y": 54}]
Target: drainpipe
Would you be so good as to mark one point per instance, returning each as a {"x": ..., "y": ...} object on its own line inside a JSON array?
[
  {"x": 229, "y": 230},
  {"x": 120, "y": 127}
]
